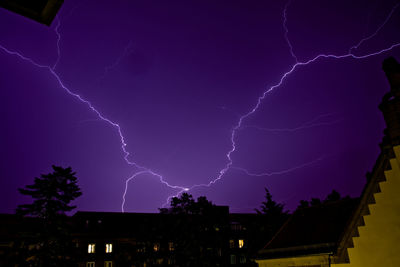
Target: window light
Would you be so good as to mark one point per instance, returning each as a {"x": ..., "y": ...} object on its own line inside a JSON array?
[
  {"x": 109, "y": 248},
  {"x": 91, "y": 248}
]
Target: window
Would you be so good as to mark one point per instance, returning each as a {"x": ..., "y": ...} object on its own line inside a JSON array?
[
  {"x": 231, "y": 243},
  {"x": 171, "y": 246},
  {"x": 235, "y": 226},
  {"x": 90, "y": 264},
  {"x": 108, "y": 264},
  {"x": 140, "y": 247},
  {"x": 91, "y": 248},
  {"x": 242, "y": 259},
  {"x": 233, "y": 259},
  {"x": 108, "y": 248},
  {"x": 156, "y": 247},
  {"x": 241, "y": 243}
]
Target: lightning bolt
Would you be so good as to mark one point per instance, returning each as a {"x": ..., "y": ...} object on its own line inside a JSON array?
[
  {"x": 148, "y": 171},
  {"x": 355, "y": 47},
  {"x": 51, "y": 70},
  {"x": 285, "y": 75},
  {"x": 56, "y": 30},
  {"x": 127, "y": 51},
  {"x": 287, "y": 30},
  {"x": 142, "y": 170},
  {"x": 309, "y": 124},
  {"x": 307, "y": 164}
]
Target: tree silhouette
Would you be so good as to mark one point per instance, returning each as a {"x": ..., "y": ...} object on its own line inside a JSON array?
[
  {"x": 52, "y": 194},
  {"x": 185, "y": 204},
  {"x": 197, "y": 230},
  {"x": 331, "y": 197},
  {"x": 315, "y": 201},
  {"x": 269, "y": 206},
  {"x": 303, "y": 204},
  {"x": 273, "y": 213}
]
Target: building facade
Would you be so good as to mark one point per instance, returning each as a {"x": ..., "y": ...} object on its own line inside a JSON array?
[{"x": 110, "y": 239}]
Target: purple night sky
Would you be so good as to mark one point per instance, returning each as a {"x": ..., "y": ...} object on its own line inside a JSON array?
[{"x": 178, "y": 77}]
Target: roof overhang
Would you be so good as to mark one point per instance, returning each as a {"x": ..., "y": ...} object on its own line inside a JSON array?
[
  {"x": 42, "y": 11},
  {"x": 298, "y": 251}
]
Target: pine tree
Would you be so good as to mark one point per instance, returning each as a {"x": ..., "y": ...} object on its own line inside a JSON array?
[
  {"x": 52, "y": 194},
  {"x": 273, "y": 213},
  {"x": 271, "y": 207}
]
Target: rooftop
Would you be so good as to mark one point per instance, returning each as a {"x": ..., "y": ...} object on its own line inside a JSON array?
[{"x": 311, "y": 230}]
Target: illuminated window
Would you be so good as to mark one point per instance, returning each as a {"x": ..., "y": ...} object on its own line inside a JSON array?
[
  {"x": 91, "y": 248},
  {"x": 241, "y": 243},
  {"x": 156, "y": 247},
  {"x": 231, "y": 243},
  {"x": 108, "y": 264},
  {"x": 171, "y": 246},
  {"x": 90, "y": 264},
  {"x": 108, "y": 248},
  {"x": 140, "y": 247}
]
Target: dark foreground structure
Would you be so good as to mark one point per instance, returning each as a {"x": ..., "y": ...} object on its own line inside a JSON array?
[
  {"x": 42, "y": 11},
  {"x": 143, "y": 239}
]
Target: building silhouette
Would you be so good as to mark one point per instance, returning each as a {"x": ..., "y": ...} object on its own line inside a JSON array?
[{"x": 114, "y": 239}]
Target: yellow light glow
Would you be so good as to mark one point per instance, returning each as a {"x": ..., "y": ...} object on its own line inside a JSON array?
[
  {"x": 91, "y": 248},
  {"x": 108, "y": 248},
  {"x": 241, "y": 243},
  {"x": 171, "y": 246}
]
